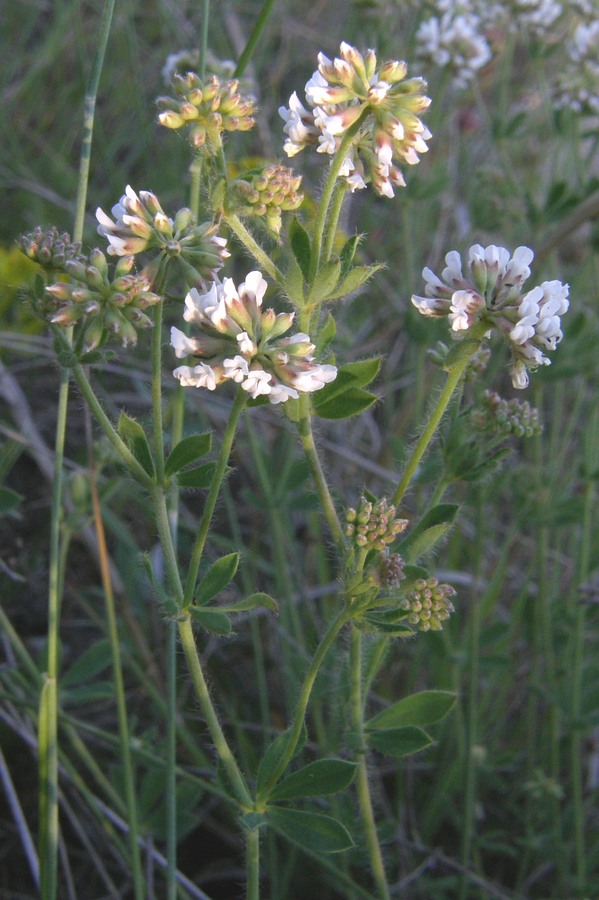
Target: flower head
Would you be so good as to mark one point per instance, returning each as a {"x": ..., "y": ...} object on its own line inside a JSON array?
[
  {"x": 374, "y": 525},
  {"x": 494, "y": 414},
  {"x": 267, "y": 193},
  {"x": 492, "y": 294},
  {"x": 206, "y": 109},
  {"x": 237, "y": 341},
  {"x": 353, "y": 88},
  {"x": 101, "y": 304},
  {"x": 428, "y": 604},
  {"x": 50, "y": 248},
  {"x": 141, "y": 224}
]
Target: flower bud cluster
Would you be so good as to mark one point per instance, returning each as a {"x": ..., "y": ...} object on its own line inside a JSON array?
[
  {"x": 491, "y": 294},
  {"x": 353, "y": 87},
  {"x": 50, "y": 248},
  {"x": 141, "y": 224},
  {"x": 206, "y": 109},
  {"x": 428, "y": 604},
  {"x": 506, "y": 416},
  {"x": 103, "y": 305},
  {"x": 267, "y": 193},
  {"x": 390, "y": 569},
  {"x": 239, "y": 342},
  {"x": 374, "y": 525}
]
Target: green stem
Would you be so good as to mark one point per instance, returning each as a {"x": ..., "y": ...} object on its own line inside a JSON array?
[
  {"x": 327, "y": 192},
  {"x": 171, "y": 674},
  {"x": 195, "y": 173},
  {"x": 302, "y": 704},
  {"x": 333, "y": 220},
  {"x": 253, "y": 865},
  {"x": 221, "y": 746},
  {"x": 219, "y": 474},
  {"x": 89, "y": 109},
  {"x": 158, "y": 430},
  {"x": 452, "y": 382},
  {"x": 137, "y": 470},
  {"x": 119, "y": 688},
  {"x": 307, "y": 438},
  {"x": 48, "y": 722},
  {"x": 471, "y": 713},
  {"x": 204, "y": 39},
  {"x": 253, "y": 248},
  {"x": 578, "y": 664},
  {"x": 362, "y": 784},
  {"x": 259, "y": 27}
]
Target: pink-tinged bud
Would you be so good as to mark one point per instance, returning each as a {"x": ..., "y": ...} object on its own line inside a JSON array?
[
  {"x": 60, "y": 291},
  {"x": 97, "y": 259},
  {"x": 151, "y": 202},
  {"x": 393, "y": 71},
  {"x": 124, "y": 266},
  {"x": 197, "y": 137},
  {"x": 163, "y": 224},
  {"x": 195, "y": 96},
  {"x": 188, "y": 112},
  {"x": 93, "y": 277},
  {"x": 170, "y": 119}
]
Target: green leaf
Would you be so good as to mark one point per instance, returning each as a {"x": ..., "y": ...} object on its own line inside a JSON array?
[
  {"x": 294, "y": 283},
  {"x": 89, "y": 664},
  {"x": 430, "y": 529},
  {"x": 400, "y": 742},
  {"x": 325, "y": 281},
  {"x": 300, "y": 246},
  {"x": 216, "y": 578},
  {"x": 348, "y": 253},
  {"x": 418, "y": 709},
  {"x": 311, "y": 830},
  {"x": 274, "y": 753},
  {"x": 460, "y": 351},
  {"x": 188, "y": 451},
  {"x": 353, "y": 375},
  {"x": 200, "y": 477},
  {"x": 326, "y": 334},
  {"x": 383, "y": 626},
  {"x": 325, "y": 776},
  {"x": 135, "y": 437},
  {"x": 351, "y": 403},
  {"x": 252, "y": 602},
  {"x": 88, "y": 693},
  {"x": 9, "y": 499},
  {"x": 212, "y": 619},
  {"x": 353, "y": 280}
]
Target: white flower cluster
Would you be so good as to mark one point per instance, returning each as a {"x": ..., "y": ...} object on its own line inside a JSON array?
[
  {"x": 577, "y": 85},
  {"x": 454, "y": 40},
  {"x": 239, "y": 342},
  {"x": 535, "y": 16},
  {"x": 491, "y": 294},
  {"x": 339, "y": 93}
]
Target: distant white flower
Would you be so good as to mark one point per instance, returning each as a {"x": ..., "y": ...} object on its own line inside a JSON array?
[{"x": 454, "y": 41}]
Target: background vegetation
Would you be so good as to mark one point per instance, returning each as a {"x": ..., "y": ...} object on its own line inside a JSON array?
[{"x": 504, "y": 805}]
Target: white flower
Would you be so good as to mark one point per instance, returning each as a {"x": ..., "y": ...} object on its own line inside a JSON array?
[
  {"x": 315, "y": 378},
  {"x": 236, "y": 369},
  {"x": 257, "y": 383},
  {"x": 280, "y": 393},
  {"x": 182, "y": 345},
  {"x": 201, "y": 375}
]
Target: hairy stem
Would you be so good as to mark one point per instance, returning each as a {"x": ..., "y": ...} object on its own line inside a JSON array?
[
  {"x": 302, "y": 704},
  {"x": 219, "y": 474},
  {"x": 253, "y": 248},
  {"x": 363, "y": 786}
]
